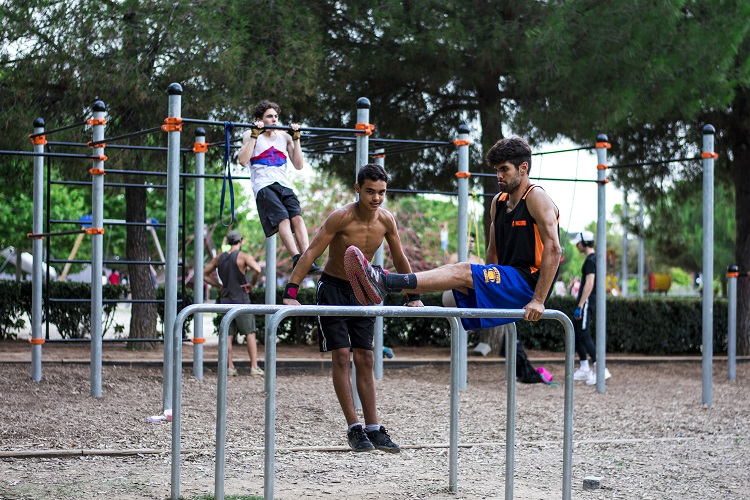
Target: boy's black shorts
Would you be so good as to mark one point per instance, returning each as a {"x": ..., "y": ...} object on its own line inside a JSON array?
[{"x": 337, "y": 332}]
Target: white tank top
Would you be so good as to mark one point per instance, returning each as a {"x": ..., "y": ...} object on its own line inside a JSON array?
[{"x": 268, "y": 162}]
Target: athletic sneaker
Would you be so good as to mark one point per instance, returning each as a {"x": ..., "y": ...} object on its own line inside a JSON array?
[
  {"x": 358, "y": 440},
  {"x": 592, "y": 378},
  {"x": 232, "y": 372},
  {"x": 581, "y": 374},
  {"x": 382, "y": 441},
  {"x": 314, "y": 269},
  {"x": 259, "y": 371},
  {"x": 368, "y": 281}
]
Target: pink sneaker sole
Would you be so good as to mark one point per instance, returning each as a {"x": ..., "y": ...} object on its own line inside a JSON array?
[{"x": 355, "y": 264}]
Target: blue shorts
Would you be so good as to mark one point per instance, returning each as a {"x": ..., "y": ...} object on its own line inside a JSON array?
[{"x": 495, "y": 287}]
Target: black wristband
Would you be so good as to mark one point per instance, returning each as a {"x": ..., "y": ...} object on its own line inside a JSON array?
[
  {"x": 290, "y": 291},
  {"x": 411, "y": 297}
]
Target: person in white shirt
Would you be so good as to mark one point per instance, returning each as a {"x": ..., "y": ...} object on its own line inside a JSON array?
[{"x": 267, "y": 152}]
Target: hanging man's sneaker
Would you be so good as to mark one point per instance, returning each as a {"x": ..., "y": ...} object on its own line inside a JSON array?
[
  {"x": 358, "y": 440},
  {"x": 368, "y": 281},
  {"x": 581, "y": 374},
  {"x": 382, "y": 440}
]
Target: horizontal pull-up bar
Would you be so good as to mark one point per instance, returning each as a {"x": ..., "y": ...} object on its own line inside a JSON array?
[
  {"x": 656, "y": 162},
  {"x": 115, "y": 146},
  {"x": 51, "y": 155},
  {"x": 94, "y": 144},
  {"x": 274, "y": 127},
  {"x": 59, "y": 129},
  {"x": 484, "y": 174}
]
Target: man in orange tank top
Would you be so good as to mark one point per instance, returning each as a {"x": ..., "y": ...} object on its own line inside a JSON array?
[{"x": 522, "y": 257}]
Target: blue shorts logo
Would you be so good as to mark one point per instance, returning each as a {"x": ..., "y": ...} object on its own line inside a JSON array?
[{"x": 491, "y": 275}]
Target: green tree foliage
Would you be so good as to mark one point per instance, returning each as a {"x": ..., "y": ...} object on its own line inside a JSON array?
[
  {"x": 57, "y": 58},
  {"x": 652, "y": 84},
  {"x": 427, "y": 67}
]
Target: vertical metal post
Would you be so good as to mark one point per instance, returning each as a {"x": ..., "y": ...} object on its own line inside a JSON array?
[
  {"x": 625, "y": 271},
  {"x": 510, "y": 419},
  {"x": 641, "y": 248},
  {"x": 363, "y": 139},
  {"x": 732, "y": 275},
  {"x": 199, "y": 240},
  {"x": 379, "y": 159},
  {"x": 36, "y": 274},
  {"x": 173, "y": 221},
  {"x": 363, "y": 154},
  {"x": 708, "y": 262},
  {"x": 454, "y": 368},
  {"x": 602, "y": 145},
  {"x": 97, "y": 252},
  {"x": 463, "y": 233}
]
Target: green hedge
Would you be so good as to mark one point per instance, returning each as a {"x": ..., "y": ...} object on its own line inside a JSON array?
[
  {"x": 72, "y": 319},
  {"x": 651, "y": 325}
]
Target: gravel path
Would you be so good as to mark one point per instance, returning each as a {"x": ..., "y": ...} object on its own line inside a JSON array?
[{"x": 647, "y": 437}]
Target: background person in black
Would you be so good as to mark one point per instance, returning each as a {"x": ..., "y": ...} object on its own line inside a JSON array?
[
  {"x": 232, "y": 267},
  {"x": 584, "y": 243}
]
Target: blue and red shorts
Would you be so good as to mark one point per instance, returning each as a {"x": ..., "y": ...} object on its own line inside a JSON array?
[{"x": 495, "y": 287}]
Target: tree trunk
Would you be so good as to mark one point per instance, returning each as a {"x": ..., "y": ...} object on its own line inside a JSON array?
[
  {"x": 738, "y": 134},
  {"x": 494, "y": 338},
  {"x": 143, "y": 318},
  {"x": 491, "y": 119}
]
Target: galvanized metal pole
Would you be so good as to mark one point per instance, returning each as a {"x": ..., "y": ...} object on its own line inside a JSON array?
[
  {"x": 463, "y": 234},
  {"x": 732, "y": 275},
  {"x": 97, "y": 251},
  {"x": 37, "y": 338},
  {"x": 199, "y": 240},
  {"x": 708, "y": 263},
  {"x": 602, "y": 145},
  {"x": 174, "y": 129},
  {"x": 378, "y": 259},
  {"x": 510, "y": 409},
  {"x": 363, "y": 146}
]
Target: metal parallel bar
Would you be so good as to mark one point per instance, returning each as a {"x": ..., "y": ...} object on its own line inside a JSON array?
[
  {"x": 177, "y": 376},
  {"x": 510, "y": 409},
  {"x": 391, "y": 311}
]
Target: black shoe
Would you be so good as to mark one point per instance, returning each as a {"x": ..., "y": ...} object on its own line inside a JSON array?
[
  {"x": 382, "y": 441},
  {"x": 315, "y": 269},
  {"x": 358, "y": 439},
  {"x": 295, "y": 259}
]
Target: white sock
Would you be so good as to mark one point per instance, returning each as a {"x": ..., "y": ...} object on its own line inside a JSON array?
[
  {"x": 372, "y": 427},
  {"x": 585, "y": 365},
  {"x": 355, "y": 424}
]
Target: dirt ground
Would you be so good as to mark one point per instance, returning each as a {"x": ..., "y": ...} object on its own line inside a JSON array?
[{"x": 647, "y": 436}]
